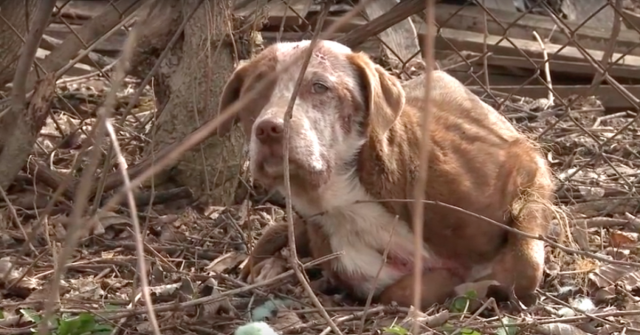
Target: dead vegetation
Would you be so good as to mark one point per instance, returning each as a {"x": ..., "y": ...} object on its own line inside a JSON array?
[{"x": 193, "y": 241}]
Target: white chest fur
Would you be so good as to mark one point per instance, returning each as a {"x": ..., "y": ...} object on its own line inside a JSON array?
[{"x": 362, "y": 229}]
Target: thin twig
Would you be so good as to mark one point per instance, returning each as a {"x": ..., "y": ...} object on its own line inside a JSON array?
[
  {"x": 421, "y": 182},
  {"x": 28, "y": 55},
  {"x": 84, "y": 187},
  {"x": 515, "y": 231},
  {"x": 142, "y": 267},
  {"x": 485, "y": 49},
  {"x": 547, "y": 72},
  {"x": 611, "y": 44},
  {"x": 293, "y": 259}
]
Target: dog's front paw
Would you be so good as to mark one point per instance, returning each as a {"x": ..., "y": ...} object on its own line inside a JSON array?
[{"x": 265, "y": 270}]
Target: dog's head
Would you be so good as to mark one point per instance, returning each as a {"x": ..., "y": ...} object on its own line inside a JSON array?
[{"x": 344, "y": 99}]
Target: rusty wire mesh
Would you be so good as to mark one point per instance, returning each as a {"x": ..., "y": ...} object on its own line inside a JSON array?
[{"x": 576, "y": 91}]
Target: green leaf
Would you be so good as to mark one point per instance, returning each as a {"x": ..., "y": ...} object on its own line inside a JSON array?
[
  {"x": 102, "y": 328},
  {"x": 395, "y": 329},
  {"x": 65, "y": 327},
  {"x": 467, "y": 331},
  {"x": 87, "y": 324},
  {"x": 448, "y": 328},
  {"x": 110, "y": 307},
  {"x": 30, "y": 314},
  {"x": 1, "y": 314},
  {"x": 82, "y": 324},
  {"x": 507, "y": 330},
  {"x": 471, "y": 294},
  {"x": 459, "y": 304}
]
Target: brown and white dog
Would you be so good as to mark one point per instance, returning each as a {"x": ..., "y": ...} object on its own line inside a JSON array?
[{"x": 355, "y": 135}]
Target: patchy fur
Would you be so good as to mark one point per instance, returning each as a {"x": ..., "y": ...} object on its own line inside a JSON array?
[{"x": 355, "y": 135}]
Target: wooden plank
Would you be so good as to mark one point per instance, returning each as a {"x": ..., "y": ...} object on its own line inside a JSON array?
[
  {"x": 400, "y": 38},
  {"x": 507, "y": 5},
  {"x": 49, "y": 43},
  {"x": 560, "y": 67},
  {"x": 631, "y": 20},
  {"x": 371, "y": 46},
  {"x": 354, "y": 23},
  {"x": 471, "y": 18},
  {"x": 84, "y": 10},
  {"x": 580, "y": 11},
  {"x": 611, "y": 100},
  {"x": 449, "y": 39},
  {"x": 335, "y": 8},
  {"x": 110, "y": 47},
  {"x": 293, "y": 12},
  {"x": 246, "y": 8},
  {"x": 400, "y": 12},
  {"x": 77, "y": 70},
  {"x": 502, "y": 79}
]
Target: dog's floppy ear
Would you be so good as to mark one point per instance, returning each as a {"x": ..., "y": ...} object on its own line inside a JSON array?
[
  {"x": 231, "y": 94},
  {"x": 385, "y": 98}
]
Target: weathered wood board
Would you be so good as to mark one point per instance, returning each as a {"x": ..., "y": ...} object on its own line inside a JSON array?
[{"x": 471, "y": 18}]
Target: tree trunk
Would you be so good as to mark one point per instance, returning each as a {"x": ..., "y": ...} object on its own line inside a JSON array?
[
  {"x": 188, "y": 84},
  {"x": 14, "y": 14}
]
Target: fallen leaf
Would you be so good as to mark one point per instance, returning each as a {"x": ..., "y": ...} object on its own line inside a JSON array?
[
  {"x": 169, "y": 233},
  {"x": 610, "y": 274},
  {"x": 616, "y": 253},
  {"x": 631, "y": 305},
  {"x": 591, "y": 192},
  {"x": 621, "y": 239},
  {"x": 209, "y": 310},
  {"x": 438, "y": 319},
  {"x": 559, "y": 329},
  {"x": 581, "y": 235},
  {"x": 163, "y": 290},
  {"x": 268, "y": 269},
  {"x": 505, "y": 329},
  {"x": 286, "y": 318},
  {"x": 8, "y": 275},
  {"x": 225, "y": 262},
  {"x": 633, "y": 221},
  {"x": 6, "y": 270},
  {"x": 604, "y": 295},
  {"x": 108, "y": 219},
  {"x": 583, "y": 304},
  {"x": 566, "y": 312}
]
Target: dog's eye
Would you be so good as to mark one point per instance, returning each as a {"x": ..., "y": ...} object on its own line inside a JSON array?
[{"x": 319, "y": 88}]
